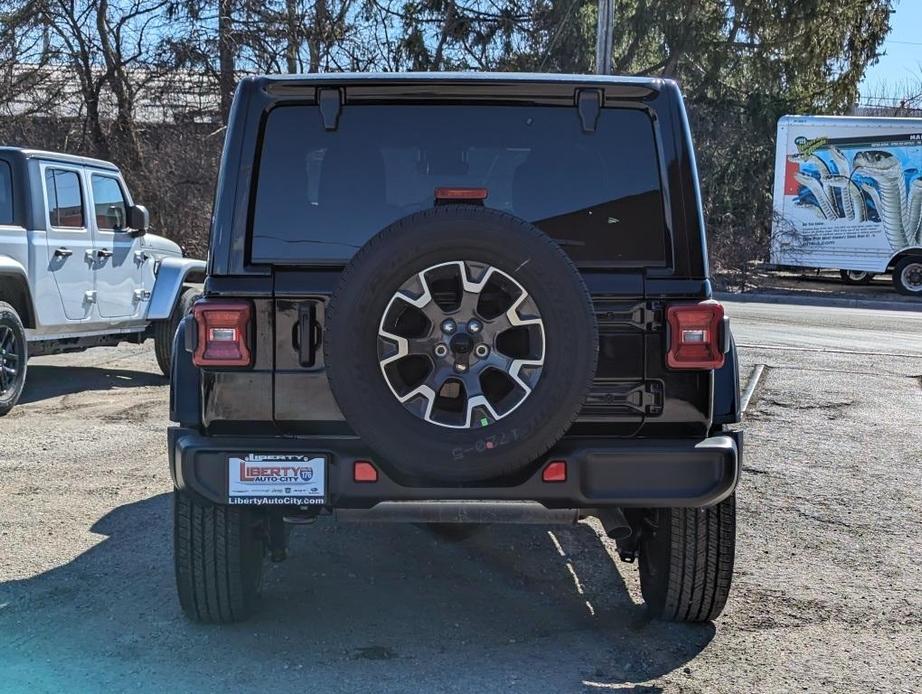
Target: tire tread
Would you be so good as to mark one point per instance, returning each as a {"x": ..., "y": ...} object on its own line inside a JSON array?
[
  {"x": 696, "y": 583},
  {"x": 211, "y": 561}
]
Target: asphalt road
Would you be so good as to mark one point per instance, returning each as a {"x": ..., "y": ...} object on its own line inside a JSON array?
[
  {"x": 826, "y": 590},
  {"x": 832, "y": 330}
]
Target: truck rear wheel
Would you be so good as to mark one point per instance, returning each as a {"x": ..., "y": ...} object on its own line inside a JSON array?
[
  {"x": 218, "y": 552},
  {"x": 907, "y": 276},
  {"x": 165, "y": 330},
  {"x": 13, "y": 357},
  {"x": 686, "y": 561}
]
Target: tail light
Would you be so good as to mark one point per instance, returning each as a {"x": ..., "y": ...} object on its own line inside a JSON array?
[
  {"x": 697, "y": 336},
  {"x": 223, "y": 332}
]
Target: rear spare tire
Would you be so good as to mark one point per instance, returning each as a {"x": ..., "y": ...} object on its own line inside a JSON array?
[{"x": 460, "y": 343}]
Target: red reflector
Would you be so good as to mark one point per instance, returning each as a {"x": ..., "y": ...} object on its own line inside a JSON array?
[
  {"x": 555, "y": 471},
  {"x": 363, "y": 471},
  {"x": 223, "y": 329},
  {"x": 695, "y": 335},
  {"x": 461, "y": 193}
]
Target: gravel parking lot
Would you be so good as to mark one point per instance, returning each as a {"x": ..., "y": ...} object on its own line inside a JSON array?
[{"x": 826, "y": 596}]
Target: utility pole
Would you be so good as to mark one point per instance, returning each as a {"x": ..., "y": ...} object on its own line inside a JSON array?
[{"x": 604, "y": 39}]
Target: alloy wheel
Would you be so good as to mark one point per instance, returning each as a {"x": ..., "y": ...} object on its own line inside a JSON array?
[{"x": 461, "y": 344}]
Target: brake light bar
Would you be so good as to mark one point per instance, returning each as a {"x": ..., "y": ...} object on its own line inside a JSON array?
[
  {"x": 461, "y": 193},
  {"x": 223, "y": 330},
  {"x": 696, "y": 336}
]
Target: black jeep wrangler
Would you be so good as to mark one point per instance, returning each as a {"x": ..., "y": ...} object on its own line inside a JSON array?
[{"x": 456, "y": 299}]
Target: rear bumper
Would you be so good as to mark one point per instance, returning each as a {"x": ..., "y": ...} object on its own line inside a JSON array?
[{"x": 601, "y": 472}]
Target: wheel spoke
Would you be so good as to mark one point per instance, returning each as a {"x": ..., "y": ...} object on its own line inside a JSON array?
[
  {"x": 475, "y": 399},
  {"x": 422, "y": 301}
]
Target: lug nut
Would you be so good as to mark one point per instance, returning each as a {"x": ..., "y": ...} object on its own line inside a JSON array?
[
  {"x": 474, "y": 326},
  {"x": 448, "y": 326},
  {"x": 460, "y": 368},
  {"x": 481, "y": 350},
  {"x": 441, "y": 350}
]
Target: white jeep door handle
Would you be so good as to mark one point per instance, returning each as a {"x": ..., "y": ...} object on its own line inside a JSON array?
[{"x": 63, "y": 252}]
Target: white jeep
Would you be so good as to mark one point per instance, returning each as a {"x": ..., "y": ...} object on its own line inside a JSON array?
[{"x": 77, "y": 266}]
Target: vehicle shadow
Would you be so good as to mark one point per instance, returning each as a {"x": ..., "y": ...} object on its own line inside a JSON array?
[
  {"x": 356, "y": 607},
  {"x": 45, "y": 381}
]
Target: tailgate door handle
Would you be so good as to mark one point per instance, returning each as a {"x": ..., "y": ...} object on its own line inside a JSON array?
[{"x": 307, "y": 335}]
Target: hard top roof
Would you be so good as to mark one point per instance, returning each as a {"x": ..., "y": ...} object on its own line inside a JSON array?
[
  {"x": 58, "y": 156},
  {"x": 649, "y": 82}
]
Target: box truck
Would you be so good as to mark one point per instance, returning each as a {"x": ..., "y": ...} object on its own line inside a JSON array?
[{"x": 848, "y": 196}]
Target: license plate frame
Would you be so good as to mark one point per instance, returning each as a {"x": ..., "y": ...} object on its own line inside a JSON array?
[{"x": 277, "y": 479}]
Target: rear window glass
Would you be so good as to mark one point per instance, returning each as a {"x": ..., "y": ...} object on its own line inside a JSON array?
[
  {"x": 321, "y": 194},
  {"x": 6, "y": 193}
]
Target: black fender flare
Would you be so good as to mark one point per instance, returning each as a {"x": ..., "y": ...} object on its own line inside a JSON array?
[
  {"x": 185, "y": 382},
  {"x": 14, "y": 290},
  {"x": 727, "y": 388}
]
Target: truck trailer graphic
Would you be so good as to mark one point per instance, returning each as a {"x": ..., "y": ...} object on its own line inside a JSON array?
[{"x": 848, "y": 192}]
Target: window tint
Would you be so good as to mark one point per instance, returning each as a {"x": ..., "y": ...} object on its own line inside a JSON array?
[
  {"x": 322, "y": 194},
  {"x": 65, "y": 198},
  {"x": 6, "y": 193},
  {"x": 108, "y": 203}
]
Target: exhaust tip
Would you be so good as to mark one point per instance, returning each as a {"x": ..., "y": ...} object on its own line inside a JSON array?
[{"x": 614, "y": 523}]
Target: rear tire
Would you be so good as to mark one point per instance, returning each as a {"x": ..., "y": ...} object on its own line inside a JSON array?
[
  {"x": 165, "y": 330},
  {"x": 218, "y": 552},
  {"x": 13, "y": 357},
  {"x": 907, "y": 276},
  {"x": 686, "y": 561}
]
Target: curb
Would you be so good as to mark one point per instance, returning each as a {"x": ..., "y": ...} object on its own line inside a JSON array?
[
  {"x": 795, "y": 300},
  {"x": 754, "y": 377}
]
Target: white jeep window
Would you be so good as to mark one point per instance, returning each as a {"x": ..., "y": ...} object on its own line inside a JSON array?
[
  {"x": 65, "y": 199},
  {"x": 6, "y": 194},
  {"x": 108, "y": 203}
]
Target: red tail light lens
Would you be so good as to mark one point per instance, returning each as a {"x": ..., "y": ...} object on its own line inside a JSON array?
[
  {"x": 695, "y": 336},
  {"x": 223, "y": 333}
]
